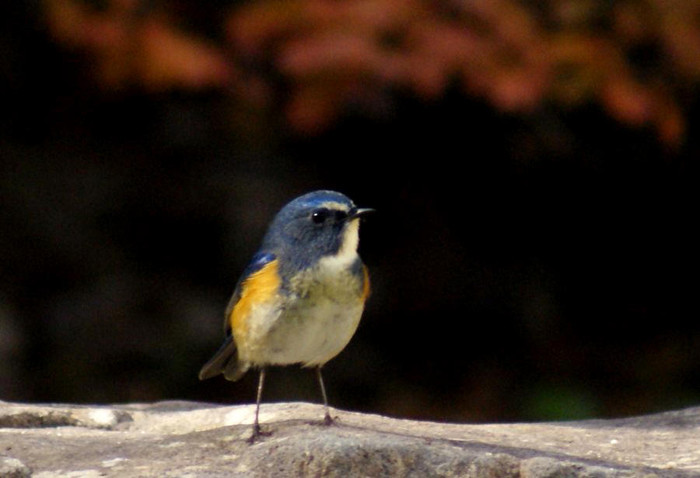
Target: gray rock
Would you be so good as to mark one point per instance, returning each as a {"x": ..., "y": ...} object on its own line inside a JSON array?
[
  {"x": 13, "y": 468},
  {"x": 186, "y": 439}
]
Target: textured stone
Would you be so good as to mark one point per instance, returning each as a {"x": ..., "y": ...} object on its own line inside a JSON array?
[
  {"x": 13, "y": 468},
  {"x": 187, "y": 439}
]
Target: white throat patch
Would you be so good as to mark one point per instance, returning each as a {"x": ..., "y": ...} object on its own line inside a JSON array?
[{"x": 347, "y": 254}]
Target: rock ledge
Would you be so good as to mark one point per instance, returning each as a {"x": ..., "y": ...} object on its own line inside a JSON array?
[{"x": 205, "y": 440}]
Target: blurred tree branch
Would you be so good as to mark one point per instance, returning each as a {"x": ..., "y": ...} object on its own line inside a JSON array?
[{"x": 314, "y": 59}]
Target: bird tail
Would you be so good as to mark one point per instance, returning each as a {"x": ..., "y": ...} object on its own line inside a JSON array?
[{"x": 225, "y": 361}]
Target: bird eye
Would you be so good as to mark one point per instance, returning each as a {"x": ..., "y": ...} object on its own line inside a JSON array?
[{"x": 319, "y": 216}]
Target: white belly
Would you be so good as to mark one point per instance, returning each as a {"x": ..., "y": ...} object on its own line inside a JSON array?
[
  {"x": 312, "y": 336},
  {"x": 310, "y": 328}
]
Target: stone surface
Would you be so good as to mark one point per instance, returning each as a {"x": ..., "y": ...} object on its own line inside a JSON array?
[
  {"x": 187, "y": 439},
  {"x": 13, "y": 468}
]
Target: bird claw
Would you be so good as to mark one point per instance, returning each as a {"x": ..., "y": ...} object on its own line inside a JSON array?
[{"x": 257, "y": 433}]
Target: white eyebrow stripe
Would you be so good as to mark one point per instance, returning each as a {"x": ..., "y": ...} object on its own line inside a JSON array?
[{"x": 336, "y": 206}]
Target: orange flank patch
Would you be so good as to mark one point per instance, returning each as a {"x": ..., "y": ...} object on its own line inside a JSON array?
[
  {"x": 365, "y": 285},
  {"x": 258, "y": 288}
]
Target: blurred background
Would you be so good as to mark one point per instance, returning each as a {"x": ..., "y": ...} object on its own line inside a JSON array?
[{"x": 533, "y": 165}]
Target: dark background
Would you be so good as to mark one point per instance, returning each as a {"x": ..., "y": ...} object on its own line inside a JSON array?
[{"x": 527, "y": 264}]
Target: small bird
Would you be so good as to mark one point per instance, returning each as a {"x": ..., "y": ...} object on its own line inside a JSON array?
[{"x": 301, "y": 297}]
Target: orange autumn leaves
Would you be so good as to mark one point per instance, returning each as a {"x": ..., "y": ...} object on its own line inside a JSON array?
[
  {"x": 314, "y": 59},
  {"x": 127, "y": 49}
]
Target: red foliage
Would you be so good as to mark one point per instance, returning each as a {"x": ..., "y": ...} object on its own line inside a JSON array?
[
  {"x": 126, "y": 50},
  {"x": 360, "y": 52}
]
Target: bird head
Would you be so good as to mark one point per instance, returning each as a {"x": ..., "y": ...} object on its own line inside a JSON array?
[{"x": 316, "y": 225}]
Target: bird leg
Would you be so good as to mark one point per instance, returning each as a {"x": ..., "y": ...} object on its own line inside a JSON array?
[
  {"x": 327, "y": 419},
  {"x": 257, "y": 432}
]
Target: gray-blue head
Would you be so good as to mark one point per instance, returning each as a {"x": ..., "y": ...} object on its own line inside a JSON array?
[{"x": 317, "y": 224}]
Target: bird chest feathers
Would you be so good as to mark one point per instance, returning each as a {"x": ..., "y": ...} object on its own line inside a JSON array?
[
  {"x": 318, "y": 320},
  {"x": 330, "y": 280}
]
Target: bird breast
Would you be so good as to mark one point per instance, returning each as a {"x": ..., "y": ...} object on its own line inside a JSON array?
[{"x": 315, "y": 321}]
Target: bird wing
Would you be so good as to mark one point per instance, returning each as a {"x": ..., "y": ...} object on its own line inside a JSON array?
[{"x": 258, "y": 280}]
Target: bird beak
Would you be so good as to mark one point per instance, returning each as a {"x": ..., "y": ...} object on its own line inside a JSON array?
[{"x": 358, "y": 212}]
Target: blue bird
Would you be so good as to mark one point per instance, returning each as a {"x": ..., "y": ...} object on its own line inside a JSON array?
[{"x": 300, "y": 299}]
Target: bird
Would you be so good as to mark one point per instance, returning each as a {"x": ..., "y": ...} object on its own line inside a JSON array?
[{"x": 301, "y": 297}]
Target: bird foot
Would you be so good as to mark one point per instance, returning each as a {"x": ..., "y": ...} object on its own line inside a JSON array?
[
  {"x": 328, "y": 420},
  {"x": 257, "y": 434}
]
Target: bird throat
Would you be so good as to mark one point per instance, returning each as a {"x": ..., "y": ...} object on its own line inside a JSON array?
[{"x": 347, "y": 252}]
